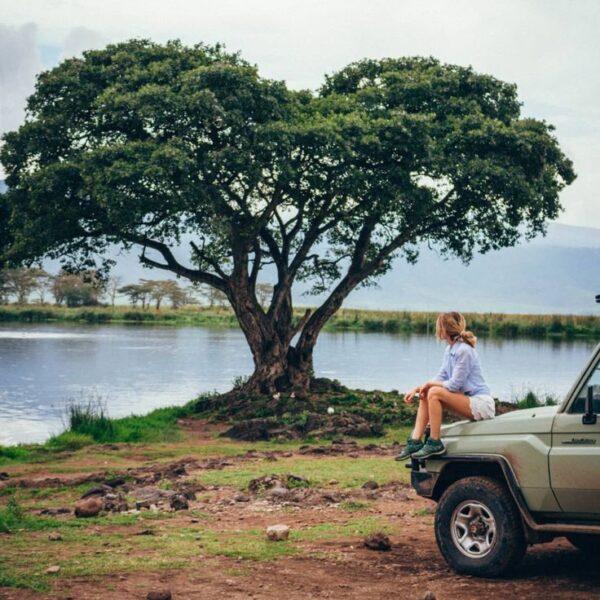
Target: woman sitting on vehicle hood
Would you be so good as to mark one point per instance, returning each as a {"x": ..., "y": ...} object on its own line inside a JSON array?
[{"x": 459, "y": 387}]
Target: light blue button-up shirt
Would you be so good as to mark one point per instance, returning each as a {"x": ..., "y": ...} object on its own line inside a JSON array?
[{"x": 461, "y": 371}]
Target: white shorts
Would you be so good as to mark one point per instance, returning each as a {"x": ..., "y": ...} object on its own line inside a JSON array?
[{"x": 482, "y": 407}]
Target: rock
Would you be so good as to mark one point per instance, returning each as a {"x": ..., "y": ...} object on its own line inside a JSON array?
[
  {"x": 145, "y": 532},
  {"x": 4, "y": 476},
  {"x": 100, "y": 490},
  {"x": 189, "y": 494},
  {"x": 159, "y": 595},
  {"x": 152, "y": 495},
  {"x": 90, "y": 507},
  {"x": 378, "y": 541},
  {"x": 333, "y": 482},
  {"x": 55, "y": 536},
  {"x": 334, "y": 497},
  {"x": 114, "y": 482},
  {"x": 429, "y": 596},
  {"x": 179, "y": 502},
  {"x": 55, "y": 511},
  {"x": 278, "y": 493},
  {"x": 241, "y": 498},
  {"x": 142, "y": 504},
  {"x": 115, "y": 503},
  {"x": 53, "y": 569},
  {"x": 278, "y": 533},
  {"x": 370, "y": 485},
  {"x": 266, "y": 482}
]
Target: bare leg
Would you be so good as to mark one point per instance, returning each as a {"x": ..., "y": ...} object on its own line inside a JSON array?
[
  {"x": 421, "y": 420},
  {"x": 438, "y": 398}
]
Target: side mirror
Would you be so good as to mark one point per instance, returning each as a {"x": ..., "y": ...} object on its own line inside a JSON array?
[{"x": 589, "y": 416}]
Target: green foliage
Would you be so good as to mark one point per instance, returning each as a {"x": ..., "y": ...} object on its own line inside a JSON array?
[
  {"x": 70, "y": 440},
  {"x": 532, "y": 400},
  {"x": 91, "y": 420}
]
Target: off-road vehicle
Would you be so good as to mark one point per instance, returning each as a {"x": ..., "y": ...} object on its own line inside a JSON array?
[{"x": 522, "y": 478}]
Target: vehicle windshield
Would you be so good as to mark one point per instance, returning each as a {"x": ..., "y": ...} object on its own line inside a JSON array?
[{"x": 578, "y": 405}]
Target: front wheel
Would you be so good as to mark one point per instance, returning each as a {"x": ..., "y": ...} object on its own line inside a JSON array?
[{"x": 478, "y": 528}]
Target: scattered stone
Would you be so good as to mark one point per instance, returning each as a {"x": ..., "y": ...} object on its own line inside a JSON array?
[
  {"x": 194, "y": 520},
  {"x": 53, "y": 569},
  {"x": 266, "y": 482},
  {"x": 97, "y": 491},
  {"x": 241, "y": 498},
  {"x": 115, "y": 482},
  {"x": 370, "y": 485},
  {"x": 145, "y": 532},
  {"x": 189, "y": 494},
  {"x": 4, "y": 476},
  {"x": 90, "y": 507},
  {"x": 332, "y": 496},
  {"x": 55, "y": 537},
  {"x": 179, "y": 502},
  {"x": 115, "y": 503},
  {"x": 333, "y": 482},
  {"x": 152, "y": 495},
  {"x": 278, "y": 493},
  {"x": 429, "y": 596},
  {"x": 159, "y": 595},
  {"x": 55, "y": 511},
  {"x": 378, "y": 541},
  {"x": 278, "y": 533}
]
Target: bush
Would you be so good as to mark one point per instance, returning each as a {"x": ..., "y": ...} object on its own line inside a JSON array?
[{"x": 91, "y": 419}]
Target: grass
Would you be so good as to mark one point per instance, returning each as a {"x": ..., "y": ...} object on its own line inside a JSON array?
[
  {"x": 349, "y": 472},
  {"x": 532, "y": 400},
  {"x": 484, "y": 324}
]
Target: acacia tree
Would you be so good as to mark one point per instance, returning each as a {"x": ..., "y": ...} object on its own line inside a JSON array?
[{"x": 153, "y": 145}]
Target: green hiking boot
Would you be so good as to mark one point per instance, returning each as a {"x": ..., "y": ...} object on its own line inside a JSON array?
[
  {"x": 430, "y": 448},
  {"x": 411, "y": 447}
]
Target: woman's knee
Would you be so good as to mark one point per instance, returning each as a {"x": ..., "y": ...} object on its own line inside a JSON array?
[{"x": 436, "y": 392}]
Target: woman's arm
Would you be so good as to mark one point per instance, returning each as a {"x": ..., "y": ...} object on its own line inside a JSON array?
[{"x": 461, "y": 371}]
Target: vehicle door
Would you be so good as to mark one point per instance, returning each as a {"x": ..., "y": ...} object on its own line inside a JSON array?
[{"x": 575, "y": 452}]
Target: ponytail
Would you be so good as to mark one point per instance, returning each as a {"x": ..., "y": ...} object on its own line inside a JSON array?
[{"x": 453, "y": 324}]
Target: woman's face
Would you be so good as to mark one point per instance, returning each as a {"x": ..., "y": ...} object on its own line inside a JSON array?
[{"x": 445, "y": 336}]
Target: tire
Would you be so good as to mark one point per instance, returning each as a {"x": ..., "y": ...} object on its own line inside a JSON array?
[
  {"x": 478, "y": 528},
  {"x": 586, "y": 542}
]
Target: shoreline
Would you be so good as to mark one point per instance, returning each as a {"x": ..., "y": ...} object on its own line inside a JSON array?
[{"x": 501, "y": 325}]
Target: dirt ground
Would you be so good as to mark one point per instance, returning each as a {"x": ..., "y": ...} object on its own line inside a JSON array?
[{"x": 338, "y": 568}]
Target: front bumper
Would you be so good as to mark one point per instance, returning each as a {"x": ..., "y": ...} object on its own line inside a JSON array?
[{"x": 422, "y": 480}]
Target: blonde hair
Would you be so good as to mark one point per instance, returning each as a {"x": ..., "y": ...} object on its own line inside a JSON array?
[{"x": 453, "y": 324}]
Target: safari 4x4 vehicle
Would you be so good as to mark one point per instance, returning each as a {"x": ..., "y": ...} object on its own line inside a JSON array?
[{"x": 522, "y": 478}]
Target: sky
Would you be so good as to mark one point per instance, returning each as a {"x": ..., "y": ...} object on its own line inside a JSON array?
[{"x": 549, "y": 48}]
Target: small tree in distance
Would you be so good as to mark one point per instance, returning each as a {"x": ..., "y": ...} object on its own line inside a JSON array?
[{"x": 142, "y": 144}]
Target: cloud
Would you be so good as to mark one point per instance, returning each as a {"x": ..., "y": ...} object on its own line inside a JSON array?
[
  {"x": 20, "y": 61},
  {"x": 549, "y": 48}
]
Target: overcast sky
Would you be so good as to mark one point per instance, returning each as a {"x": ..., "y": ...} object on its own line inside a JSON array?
[{"x": 549, "y": 48}]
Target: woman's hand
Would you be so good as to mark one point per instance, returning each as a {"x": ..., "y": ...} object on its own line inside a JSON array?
[{"x": 409, "y": 396}]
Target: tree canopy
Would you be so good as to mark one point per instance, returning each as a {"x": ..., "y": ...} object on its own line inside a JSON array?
[{"x": 146, "y": 145}]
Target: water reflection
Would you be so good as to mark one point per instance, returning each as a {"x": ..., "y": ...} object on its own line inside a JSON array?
[{"x": 136, "y": 369}]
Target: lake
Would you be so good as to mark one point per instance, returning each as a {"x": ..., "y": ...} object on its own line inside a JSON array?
[{"x": 134, "y": 369}]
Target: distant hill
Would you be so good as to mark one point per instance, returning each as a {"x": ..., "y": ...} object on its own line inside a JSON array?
[
  {"x": 556, "y": 274},
  {"x": 559, "y": 273}
]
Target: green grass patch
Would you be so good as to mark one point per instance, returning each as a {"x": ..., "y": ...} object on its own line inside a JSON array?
[
  {"x": 349, "y": 472},
  {"x": 353, "y": 505}
]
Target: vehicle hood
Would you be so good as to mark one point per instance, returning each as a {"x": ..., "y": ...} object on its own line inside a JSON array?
[{"x": 530, "y": 420}]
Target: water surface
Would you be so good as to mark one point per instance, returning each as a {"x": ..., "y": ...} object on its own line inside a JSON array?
[{"x": 137, "y": 368}]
